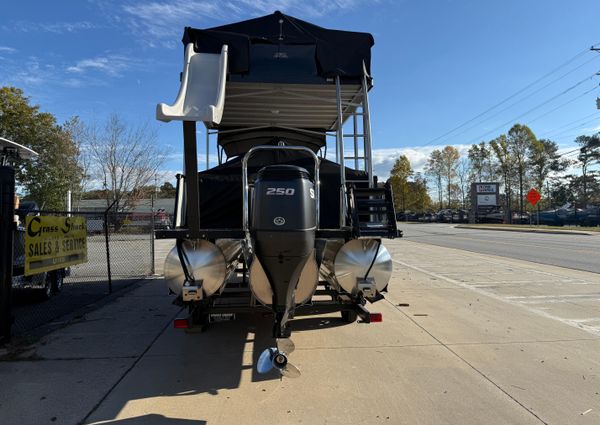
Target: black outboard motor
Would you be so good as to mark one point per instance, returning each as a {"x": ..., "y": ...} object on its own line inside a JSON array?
[{"x": 283, "y": 229}]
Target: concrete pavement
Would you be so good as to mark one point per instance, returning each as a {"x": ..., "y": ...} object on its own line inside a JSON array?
[
  {"x": 485, "y": 340},
  {"x": 62, "y": 377}
]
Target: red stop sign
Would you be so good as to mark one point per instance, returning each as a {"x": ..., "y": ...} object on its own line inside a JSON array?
[{"x": 533, "y": 196}]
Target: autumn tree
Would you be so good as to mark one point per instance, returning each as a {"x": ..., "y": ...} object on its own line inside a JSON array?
[
  {"x": 435, "y": 169},
  {"x": 449, "y": 162},
  {"x": 401, "y": 172},
  {"x": 418, "y": 196},
  {"x": 543, "y": 160},
  {"x": 55, "y": 171},
  {"x": 589, "y": 155},
  {"x": 505, "y": 163},
  {"x": 78, "y": 132},
  {"x": 481, "y": 160},
  {"x": 125, "y": 159},
  {"x": 520, "y": 138},
  {"x": 463, "y": 174},
  {"x": 167, "y": 190}
]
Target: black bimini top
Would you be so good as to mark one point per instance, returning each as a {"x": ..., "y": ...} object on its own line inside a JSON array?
[
  {"x": 281, "y": 79},
  {"x": 281, "y": 48}
]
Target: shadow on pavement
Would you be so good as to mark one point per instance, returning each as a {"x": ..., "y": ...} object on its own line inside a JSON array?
[
  {"x": 31, "y": 311},
  {"x": 183, "y": 364},
  {"x": 314, "y": 323},
  {"x": 154, "y": 419}
]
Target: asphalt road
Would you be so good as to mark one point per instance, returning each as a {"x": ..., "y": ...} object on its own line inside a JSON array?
[{"x": 579, "y": 252}]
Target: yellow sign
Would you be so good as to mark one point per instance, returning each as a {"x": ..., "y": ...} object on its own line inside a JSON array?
[{"x": 54, "y": 243}]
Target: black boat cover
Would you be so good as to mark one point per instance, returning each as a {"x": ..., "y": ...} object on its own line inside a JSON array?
[
  {"x": 301, "y": 48},
  {"x": 221, "y": 188}
]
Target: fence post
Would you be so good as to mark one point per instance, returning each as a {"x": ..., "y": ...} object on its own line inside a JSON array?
[
  {"x": 152, "y": 248},
  {"x": 7, "y": 194},
  {"x": 108, "y": 246}
]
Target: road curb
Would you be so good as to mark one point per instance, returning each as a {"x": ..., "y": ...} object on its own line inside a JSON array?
[{"x": 528, "y": 230}]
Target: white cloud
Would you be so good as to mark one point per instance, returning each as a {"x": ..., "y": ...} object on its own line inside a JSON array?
[
  {"x": 113, "y": 65},
  {"x": 7, "y": 49},
  {"x": 33, "y": 73},
  {"x": 383, "y": 159},
  {"x": 52, "y": 27},
  {"x": 160, "y": 22}
]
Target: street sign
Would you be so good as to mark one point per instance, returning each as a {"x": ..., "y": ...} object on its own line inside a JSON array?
[{"x": 533, "y": 196}]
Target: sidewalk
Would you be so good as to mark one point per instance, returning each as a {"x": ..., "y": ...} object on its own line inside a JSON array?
[{"x": 61, "y": 378}]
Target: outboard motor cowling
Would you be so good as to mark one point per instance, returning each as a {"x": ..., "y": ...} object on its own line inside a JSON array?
[{"x": 282, "y": 227}]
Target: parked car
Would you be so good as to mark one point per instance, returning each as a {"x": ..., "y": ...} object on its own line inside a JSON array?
[
  {"x": 591, "y": 216},
  {"x": 460, "y": 216},
  {"x": 427, "y": 218},
  {"x": 548, "y": 218},
  {"x": 43, "y": 284},
  {"x": 495, "y": 215},
  {"x": 410, "y": 216},
  {"x": 95, "y": 225},
  {"x": 571, "y": 216},
  {"x": 444, "y": 216},
  {"x": 518, "y": 218}
]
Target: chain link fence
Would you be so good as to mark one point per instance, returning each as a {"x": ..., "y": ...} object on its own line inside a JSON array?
[{"x": 120, "y": 252}]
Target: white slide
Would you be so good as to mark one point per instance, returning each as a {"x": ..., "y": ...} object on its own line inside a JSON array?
[{"x": 202, "y": 93}]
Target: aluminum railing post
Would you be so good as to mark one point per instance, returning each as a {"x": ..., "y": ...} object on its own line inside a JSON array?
[
  {"x": 367, "y": 131},
  {"x": 340, "y": 150}
]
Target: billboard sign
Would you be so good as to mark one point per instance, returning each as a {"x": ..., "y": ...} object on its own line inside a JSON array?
[
  {"x": 54, "y": 243},
  {"x": 487, "y": 200},
  {"x": 487, "y": 188}
]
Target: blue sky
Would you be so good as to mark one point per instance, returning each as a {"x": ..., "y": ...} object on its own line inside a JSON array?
[{"x": 436, "y": 64}]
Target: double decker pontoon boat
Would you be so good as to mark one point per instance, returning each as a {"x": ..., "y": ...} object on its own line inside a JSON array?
[{"x": 280, "y": 223}]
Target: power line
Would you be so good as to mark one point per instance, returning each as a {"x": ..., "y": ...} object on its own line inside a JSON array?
[
  {"x": 562, "y": 104},
  {"x": 581, "y": 53},
  {"x": 568, "y": 153},
  {"x": 535, "y": 108},
  {"x": 521, "y": 100},
  {"x": 581, "y": 125},
  {"x": 569, "y": 123}
]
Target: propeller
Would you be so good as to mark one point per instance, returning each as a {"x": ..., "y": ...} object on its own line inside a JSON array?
[{"x": 277, "y": 357}]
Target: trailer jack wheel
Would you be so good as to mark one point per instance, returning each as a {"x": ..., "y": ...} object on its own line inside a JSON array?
[{"x": 198, "y": 320}]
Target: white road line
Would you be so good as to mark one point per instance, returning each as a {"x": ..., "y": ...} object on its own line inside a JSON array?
[{"x": 570, "y": 322}]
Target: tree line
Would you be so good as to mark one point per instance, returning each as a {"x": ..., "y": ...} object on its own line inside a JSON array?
[
  {"x": 113, "y": 160},
  {"x": 518, "y": 160}
]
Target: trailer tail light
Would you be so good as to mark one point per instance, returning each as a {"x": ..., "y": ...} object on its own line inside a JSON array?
[
  {"x": 375, "y": 317},
  {"x": 181, "y": 324}
]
